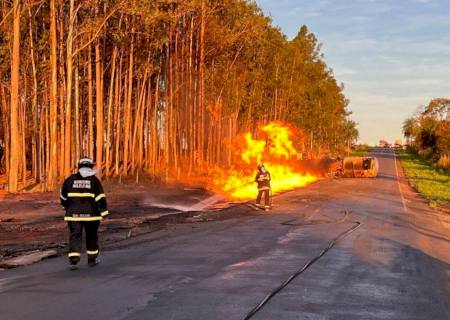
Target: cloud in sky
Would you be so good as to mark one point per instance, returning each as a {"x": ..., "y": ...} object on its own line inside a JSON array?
[{"x": 392, "y": 55}]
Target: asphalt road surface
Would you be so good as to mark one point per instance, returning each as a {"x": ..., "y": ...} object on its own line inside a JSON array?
[{"x": 394, "y": 266}]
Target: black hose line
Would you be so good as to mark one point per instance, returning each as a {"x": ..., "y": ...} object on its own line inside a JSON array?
[{"x": 340, "y": 237}]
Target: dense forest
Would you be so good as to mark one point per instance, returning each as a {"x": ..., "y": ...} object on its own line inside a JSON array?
[
  {"x": 428, "y": 132},
  {"x": 153, "y": 86}
]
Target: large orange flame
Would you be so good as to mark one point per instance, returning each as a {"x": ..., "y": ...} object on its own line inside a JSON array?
[{"x": 275, "y": 148}]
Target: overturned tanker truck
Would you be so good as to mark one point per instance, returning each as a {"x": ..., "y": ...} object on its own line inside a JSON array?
[
  {"x": 350, "y": 167},
  {"x": 364, "y": 167}
]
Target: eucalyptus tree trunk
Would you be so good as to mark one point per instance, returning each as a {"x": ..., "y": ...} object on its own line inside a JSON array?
[
  {"x": 53, "y": 157},
  {"x": 99, "y": 105},
  {"x": 201, "y": 98},
  {"x": 6, "y": 121},
  {"x": 69, "y": 68},
  {"x": 77, "y": 142},
  {"x": 14, "y": 105},
  {"x": 90, "y": 118},
  {"x": 128, "y": 106},
  {"x": 35, "y": 140},
  {"x": 62, "y": 92},
  {"x": 109, "y": 114}
]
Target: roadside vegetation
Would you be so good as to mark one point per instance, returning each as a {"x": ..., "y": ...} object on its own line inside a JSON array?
[
  {"x": 428, "y": 132},
  {"x": 426, "y": 177},
  {"x": 427, "y": 159}
]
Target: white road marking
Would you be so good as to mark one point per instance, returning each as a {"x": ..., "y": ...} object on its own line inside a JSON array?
[{"x": 399, "y": 187}]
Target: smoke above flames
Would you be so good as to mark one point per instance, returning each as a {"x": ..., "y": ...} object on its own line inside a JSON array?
[{"x": 279, "y": 147}]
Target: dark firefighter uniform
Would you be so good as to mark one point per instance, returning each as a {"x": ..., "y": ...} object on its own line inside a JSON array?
[
  {"x": 263, "y": 180},
  {"x": 84, "y": 200}
]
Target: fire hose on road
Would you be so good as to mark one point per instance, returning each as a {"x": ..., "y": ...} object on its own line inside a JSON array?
[{"x": 341, "y": 236}]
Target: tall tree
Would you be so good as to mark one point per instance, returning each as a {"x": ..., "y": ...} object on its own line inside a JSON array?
[
  {"x": 69, "y": 73},
  {"x": 53, "y": 156},
  {"x": 14, "y": 106}
]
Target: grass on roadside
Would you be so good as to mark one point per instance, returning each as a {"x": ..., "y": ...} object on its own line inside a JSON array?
[{"x": 431, "y": 182}]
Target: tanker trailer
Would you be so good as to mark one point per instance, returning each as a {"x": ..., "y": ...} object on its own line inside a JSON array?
[{"x": 364, "y": 167}]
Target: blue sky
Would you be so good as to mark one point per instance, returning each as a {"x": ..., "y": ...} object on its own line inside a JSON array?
[{"x": 392, "y": 55}]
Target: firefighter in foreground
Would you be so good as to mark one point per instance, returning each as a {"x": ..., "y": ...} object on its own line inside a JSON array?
[
  {"x": 263, "y": 180},
  {"x": 84, "y": 200}
]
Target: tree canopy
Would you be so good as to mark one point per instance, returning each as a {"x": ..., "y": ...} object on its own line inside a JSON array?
[
  {"x": 428, "y": 131},
  {"x": 154, "y": 86}
]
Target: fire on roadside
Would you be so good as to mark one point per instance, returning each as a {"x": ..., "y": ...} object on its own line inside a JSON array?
[{"x": 273, "y": 145}]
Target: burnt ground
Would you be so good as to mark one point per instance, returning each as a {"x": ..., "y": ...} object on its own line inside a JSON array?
[{"x": 34, "y": 221}]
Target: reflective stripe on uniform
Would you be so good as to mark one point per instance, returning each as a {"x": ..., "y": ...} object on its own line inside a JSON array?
[
  {"x": 263, "y": 188},
  {"x": 74, "y": 254},
  {"x": 104, "y": 213},
  {"x": 88, "y": 160},
  {"x": 81, "y": 195},
  {"x": 82, "y": 218},
  {"x": 102, "y": 195},
  {"x": 92, "y": 252}
]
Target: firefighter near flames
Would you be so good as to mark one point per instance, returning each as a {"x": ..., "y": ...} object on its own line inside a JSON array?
[
  {"x": 84, "y": 201},
  {"x": 278, "y": 146},
  {"x": 263, "y": 181}
]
